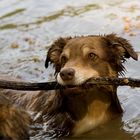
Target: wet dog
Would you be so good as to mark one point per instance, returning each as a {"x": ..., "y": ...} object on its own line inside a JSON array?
[{"x": 73, "y": 111}]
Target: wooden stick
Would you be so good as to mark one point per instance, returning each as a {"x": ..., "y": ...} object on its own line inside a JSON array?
[
  {"x": 28, "y": 85},
  {"x": 54, "y": 85},
  {"x": 115, "y": 81}
]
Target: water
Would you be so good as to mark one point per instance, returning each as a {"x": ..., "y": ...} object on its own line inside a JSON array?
[{"x": 27, "y": 28}]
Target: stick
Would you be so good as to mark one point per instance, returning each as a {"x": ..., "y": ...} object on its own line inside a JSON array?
[
  {"x": 54, "y": 85},
  {"x": 115, "y": 81},
  {"x": 28, "y": 85}
]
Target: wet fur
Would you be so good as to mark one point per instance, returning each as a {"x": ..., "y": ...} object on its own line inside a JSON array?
[{"x": 70, "y": 111}]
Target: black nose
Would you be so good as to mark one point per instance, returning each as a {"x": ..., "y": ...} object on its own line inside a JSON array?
[{"x": 67, "y": 74}]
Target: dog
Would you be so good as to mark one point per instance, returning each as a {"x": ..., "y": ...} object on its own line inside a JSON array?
[{"x": 71, "y": 111}]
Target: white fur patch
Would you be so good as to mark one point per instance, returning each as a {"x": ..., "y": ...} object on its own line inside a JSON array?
[{"x": 87, "y": 124}]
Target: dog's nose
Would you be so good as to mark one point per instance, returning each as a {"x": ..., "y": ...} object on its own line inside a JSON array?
[{"x": 67, "y": 74}]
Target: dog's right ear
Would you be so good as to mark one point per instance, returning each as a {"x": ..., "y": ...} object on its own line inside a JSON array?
[{"x": 55, "y": 51}]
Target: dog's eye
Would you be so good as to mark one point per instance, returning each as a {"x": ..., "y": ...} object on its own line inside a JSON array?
[
  {"x": 64, "y": 59},
  {"x": 92, "y": 56}
]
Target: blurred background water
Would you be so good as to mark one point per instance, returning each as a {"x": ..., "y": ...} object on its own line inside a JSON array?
[{"x": 28, "y": 27}]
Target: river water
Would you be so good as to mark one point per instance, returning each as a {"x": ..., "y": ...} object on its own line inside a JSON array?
[{"x": 28, "y": 27}]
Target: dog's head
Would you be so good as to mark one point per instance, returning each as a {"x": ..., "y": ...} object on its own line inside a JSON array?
[{"x": 80, "y": 58}]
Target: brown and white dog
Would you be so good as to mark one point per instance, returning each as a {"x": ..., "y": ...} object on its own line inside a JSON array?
[{"x": 73, "y": 111}]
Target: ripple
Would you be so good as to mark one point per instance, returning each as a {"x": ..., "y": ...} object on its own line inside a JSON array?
[
  {"x": 15, "y": 12},
  {"x": 67, "y": 11}
]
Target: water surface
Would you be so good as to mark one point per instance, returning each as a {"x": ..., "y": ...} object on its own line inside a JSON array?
[{"x": 27, "y": 28}]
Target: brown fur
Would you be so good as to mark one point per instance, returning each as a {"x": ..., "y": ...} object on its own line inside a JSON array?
[
  {"x": 13, "y": 121},
  {"x": 74, "y": 111}
]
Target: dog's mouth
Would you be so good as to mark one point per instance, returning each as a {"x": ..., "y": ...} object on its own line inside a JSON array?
[
  {"x": 73, "y": 90},
  {"x": 85, "y": 84}
]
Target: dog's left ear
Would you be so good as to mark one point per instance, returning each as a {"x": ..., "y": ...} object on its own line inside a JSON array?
[
  {"x": 122, "y": 45},
  {"x": 55, "y": 51}
]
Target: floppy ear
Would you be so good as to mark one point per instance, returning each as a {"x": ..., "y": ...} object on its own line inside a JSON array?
[
  {"x": 55, "y": 51},
  {"x": 122, "y": 45}
]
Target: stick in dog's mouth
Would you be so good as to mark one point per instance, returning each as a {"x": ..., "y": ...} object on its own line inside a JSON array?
[{"x": 89, "y": 83}]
